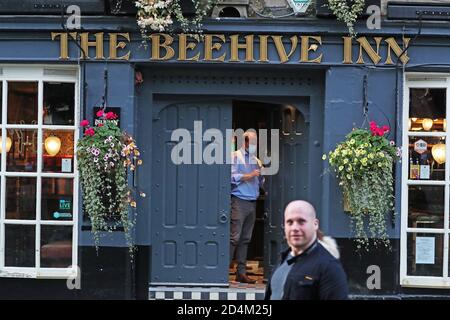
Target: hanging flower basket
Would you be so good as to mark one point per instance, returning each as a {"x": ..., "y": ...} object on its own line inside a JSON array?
[
  {"x": 105, "y": 154},
  {"x": 347, "y": 12},
  {"x": 159, "y": 15},
  {"x": 363, "y": 164}
]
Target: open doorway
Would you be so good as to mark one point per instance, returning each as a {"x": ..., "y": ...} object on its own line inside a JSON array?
[{"x": 255, "y": 115}]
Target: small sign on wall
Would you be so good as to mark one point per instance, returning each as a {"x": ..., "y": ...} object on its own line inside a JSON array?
[{"x": 97, "y": 120}]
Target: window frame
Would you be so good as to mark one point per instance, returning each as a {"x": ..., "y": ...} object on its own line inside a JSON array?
[
  {"x": 412, "y": 81},
  {"x": 40, "y": 74}
]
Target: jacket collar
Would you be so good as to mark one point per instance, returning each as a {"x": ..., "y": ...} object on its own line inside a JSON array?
[{"x": 308, "y": 251}]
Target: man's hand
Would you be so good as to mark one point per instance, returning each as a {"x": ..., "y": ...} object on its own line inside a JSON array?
[{"x": 251, "y": 175}]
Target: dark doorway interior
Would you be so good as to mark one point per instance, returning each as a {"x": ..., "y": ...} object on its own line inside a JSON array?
[{"x": 255, "y": 115}]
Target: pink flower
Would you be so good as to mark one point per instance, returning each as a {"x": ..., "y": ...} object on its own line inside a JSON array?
[
  {"x": 111, "y": 115},
  {"x": 385, "y": 128},
  {"x": 84, "y": 123},
  {"x": 100, "y": 125},
  {"x": 89, "y": 132},
  {"x": 99, "y": 113}
]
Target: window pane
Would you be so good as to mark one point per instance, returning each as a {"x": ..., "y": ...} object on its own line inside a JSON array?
[
  {"x": 20, "y": 198},
  {"x": 427, "y": 110},
  {"x": 22, "y": 102},
  {"x": 22, "y": 155},
  {"x": 427, "y": 158},
  {"x": 57, "y": 199},
  {"x": 426, "y": 207},
  {"x": 59, "y": 103},
  {"x": 20, "y": 246},
  {"x": 58, "y": 151},
  {"x": 425, "y": 254},
  {"x": 56, "y": 246}
]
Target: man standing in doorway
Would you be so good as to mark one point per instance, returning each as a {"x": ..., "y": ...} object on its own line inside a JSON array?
[{"x": 246, "y": 180}]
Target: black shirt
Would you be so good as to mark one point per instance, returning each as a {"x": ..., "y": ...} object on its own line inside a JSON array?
[{"x": 315, "y": 275}]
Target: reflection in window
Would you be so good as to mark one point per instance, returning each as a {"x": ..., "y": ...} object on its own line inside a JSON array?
[
  {"x": 20, "y": 198},
  {"x": 57, "y": 199},
  {"x": 426, "y": 206},
  {"x": 427, "y": 158},
  {"x": 425, "y": 254},
  {"x": 56, "y": 246},
  {"x": 22, "y": 102},
  {"x": 427, "y": 109},
  {"x": 59, "y": 103},
  {"x": 20, "y": 245},
  {"x": 22, "y": 155},
  {"x": 58, "y": 151}
]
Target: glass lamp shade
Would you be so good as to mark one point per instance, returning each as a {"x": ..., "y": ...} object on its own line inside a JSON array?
[
  {"x": 52, "y": 145},
  {"x": 8, "y": 144},
  {"x": 427, "y": 124},
  {"x": 438, "y": 152}
]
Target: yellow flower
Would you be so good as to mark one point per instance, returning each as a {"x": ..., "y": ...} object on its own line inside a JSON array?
[
  {"x": 349, "y": 177},
  {"x": 324, "y": 157},
  {"x": 352, "y": 141},
  {"x": 380, "y": 164},
  {"x": 345, "y": 161},
  {"x": 341, "y": 168}
]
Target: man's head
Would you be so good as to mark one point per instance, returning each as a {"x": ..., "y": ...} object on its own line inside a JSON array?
[
  {"x": 251, "y": 139},
  {"x": 300, "y": 225}
]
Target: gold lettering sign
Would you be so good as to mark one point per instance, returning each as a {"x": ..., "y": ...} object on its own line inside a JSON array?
[{"x": 237, "y": 48}]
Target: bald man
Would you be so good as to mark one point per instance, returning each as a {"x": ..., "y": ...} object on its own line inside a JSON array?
[
  {"x": 246, "y": 180},
  {"x": 307, "y": 271}
]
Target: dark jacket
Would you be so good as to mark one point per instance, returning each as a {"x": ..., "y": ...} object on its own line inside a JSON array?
[{"x": 315, "y": 275}]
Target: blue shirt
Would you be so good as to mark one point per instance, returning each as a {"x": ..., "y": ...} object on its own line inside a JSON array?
[{"x": 243, "y": 163}]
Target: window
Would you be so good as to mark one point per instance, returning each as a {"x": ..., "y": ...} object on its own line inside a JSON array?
[
  {"x": 38, "y": 202},
  {"x": 425, "y": 182}
]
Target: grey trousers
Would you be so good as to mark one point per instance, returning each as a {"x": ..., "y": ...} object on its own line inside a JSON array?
[{"x": 243, "y": 216}]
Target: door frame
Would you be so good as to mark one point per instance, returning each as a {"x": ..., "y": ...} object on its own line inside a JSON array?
[{"x": 172, "y": 84}]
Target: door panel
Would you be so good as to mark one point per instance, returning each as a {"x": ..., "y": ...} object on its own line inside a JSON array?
[
  {"x": 190, "y": 202},
  {"x": 291, "y": 182}
]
